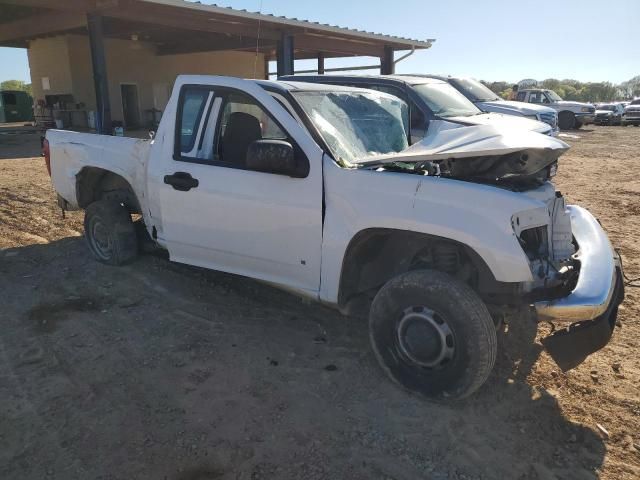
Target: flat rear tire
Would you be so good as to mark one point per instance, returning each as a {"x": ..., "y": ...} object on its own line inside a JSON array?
[{"x": 110, "y": 232}]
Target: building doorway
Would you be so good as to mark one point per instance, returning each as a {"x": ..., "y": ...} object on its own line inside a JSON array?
[{"x": 130, "y": 105}]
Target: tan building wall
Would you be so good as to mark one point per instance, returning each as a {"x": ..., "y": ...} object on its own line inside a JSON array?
[
  {"x": 49, "y": 63},
  {"x": 66, "y": 61}
]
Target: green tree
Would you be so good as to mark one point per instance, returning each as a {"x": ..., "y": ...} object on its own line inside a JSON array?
[
  {"x": 552, "y": 84},
  {"x": 16, "y": 85},
  {"x": 631, "y": 88}
]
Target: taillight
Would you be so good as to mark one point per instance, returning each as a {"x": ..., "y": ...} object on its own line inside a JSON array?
[{"x": 47, "y": 155}]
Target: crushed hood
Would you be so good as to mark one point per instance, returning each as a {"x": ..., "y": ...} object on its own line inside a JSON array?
[{"x": 486, "y": 153}]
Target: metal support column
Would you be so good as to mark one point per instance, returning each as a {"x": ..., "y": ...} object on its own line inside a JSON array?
[
  {"x": 387, "y": 62},
  {"x": 266, "y": 67},
  {"x": 96, "y": 42},
  {"x": 285, "y": 55},
  {"x": 320, "y": 63}
]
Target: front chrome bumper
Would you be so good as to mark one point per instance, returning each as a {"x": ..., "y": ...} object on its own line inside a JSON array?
[
  {"x": 585, "y": 117},
  {"x": 599, "y": 120},
  {"x": 591, "y": 309},
  {"x": 598, "y": 272}
]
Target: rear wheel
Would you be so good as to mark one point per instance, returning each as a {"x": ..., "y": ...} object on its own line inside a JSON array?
[
  {"x": 433, "y": 335},
  {"x": 110, "y": 233},
  {"x": 566, "y": 120}
]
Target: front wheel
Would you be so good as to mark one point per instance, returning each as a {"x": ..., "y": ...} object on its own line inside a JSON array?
[
  {"x": 110, "y": 233},
  {"x": 433, "y": 335},
  {"x": 566, "y": 120}
]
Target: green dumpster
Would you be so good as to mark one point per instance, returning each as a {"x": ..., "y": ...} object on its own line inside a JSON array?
[{"x": 15, "y": 106}]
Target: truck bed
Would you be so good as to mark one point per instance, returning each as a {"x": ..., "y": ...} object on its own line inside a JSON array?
[{"x": 72, "y": 151}]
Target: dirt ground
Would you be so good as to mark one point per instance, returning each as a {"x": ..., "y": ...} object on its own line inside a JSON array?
[{"x": 163, "y": 371}]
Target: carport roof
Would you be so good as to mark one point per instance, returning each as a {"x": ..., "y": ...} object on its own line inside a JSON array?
[{"x": 171, "y": 23}]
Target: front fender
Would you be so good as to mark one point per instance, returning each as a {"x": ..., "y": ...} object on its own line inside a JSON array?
[{"x": 478, "y": 216}]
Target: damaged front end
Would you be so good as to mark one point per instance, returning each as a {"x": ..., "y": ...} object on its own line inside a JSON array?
[
  {"x": 587, "y": 309},
  {"x": 577, "y": 276}
]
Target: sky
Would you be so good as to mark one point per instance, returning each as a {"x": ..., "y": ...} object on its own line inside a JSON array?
[{"x": 587, "y": 40}]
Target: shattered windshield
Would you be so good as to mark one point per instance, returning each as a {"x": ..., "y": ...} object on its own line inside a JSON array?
[
  {"x": 356, "y": 125},
  {"x": 445, "y": 101},
  {"x": 476, "y": 90}
]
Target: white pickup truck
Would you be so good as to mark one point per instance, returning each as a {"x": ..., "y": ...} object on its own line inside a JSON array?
[
  {"x": 315, "y": 188},
  {"x": 570, "y": 114}
]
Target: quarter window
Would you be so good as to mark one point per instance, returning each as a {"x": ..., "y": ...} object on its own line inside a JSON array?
[{"x": 192, "y": 108}]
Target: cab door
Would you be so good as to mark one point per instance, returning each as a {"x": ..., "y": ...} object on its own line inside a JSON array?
[{"x": 218, "y": 213}]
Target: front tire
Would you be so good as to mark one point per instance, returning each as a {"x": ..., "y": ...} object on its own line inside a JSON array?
[
  {"x": 433, "y": 335},
  {"x": 566, "y": 120},
  {"x": 110, "y": 233}
]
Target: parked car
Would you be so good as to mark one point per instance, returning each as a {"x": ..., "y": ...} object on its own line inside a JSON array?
[
  {"x": 488, "y": 101},
  {"x": 570, "y": 114},
  {"x": 429, "y": 99},
  {"x": 631, "y": 114},
  {"x": 609, "y": 114},
  {"x": 315, "y": 188}
]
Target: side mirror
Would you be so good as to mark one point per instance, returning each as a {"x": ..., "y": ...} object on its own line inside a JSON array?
[{"x": 271, "y": 156}]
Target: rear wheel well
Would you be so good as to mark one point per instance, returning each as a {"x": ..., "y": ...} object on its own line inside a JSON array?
[
  {"x": 374, "y": 256},
  {"x": 93, "y": 184}
]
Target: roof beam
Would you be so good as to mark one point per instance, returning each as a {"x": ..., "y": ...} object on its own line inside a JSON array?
[
  {"x": 176, "y": 18},
  {"x": 213, "y": 45},
  {"x": 39, "y": 25},
  {"x": 292, "y": 25},
  {"x": 49, "y": 5},
  {"x": 343, "y": 47}
]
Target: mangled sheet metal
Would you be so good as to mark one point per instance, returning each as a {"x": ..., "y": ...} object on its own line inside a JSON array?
[{"x": 482, "y": 152}]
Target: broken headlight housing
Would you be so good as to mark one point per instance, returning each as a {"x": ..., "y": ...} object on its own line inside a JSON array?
[{"x": 535, "y": 242}]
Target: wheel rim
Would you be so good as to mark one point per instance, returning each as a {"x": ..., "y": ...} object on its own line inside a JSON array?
[
  {"x": 424, "y": 338},
  {"x": 101, "y": 240}
]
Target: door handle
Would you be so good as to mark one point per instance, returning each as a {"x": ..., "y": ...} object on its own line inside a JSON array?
[{"x": 181, "y": 181}]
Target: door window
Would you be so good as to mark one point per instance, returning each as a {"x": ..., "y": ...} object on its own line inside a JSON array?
[
  {"x": 536, "y": 97},
  {"x": 217, "y": 127},
  {"x": 521, "y": 96},
  {"x": 241, "y": 123}
]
